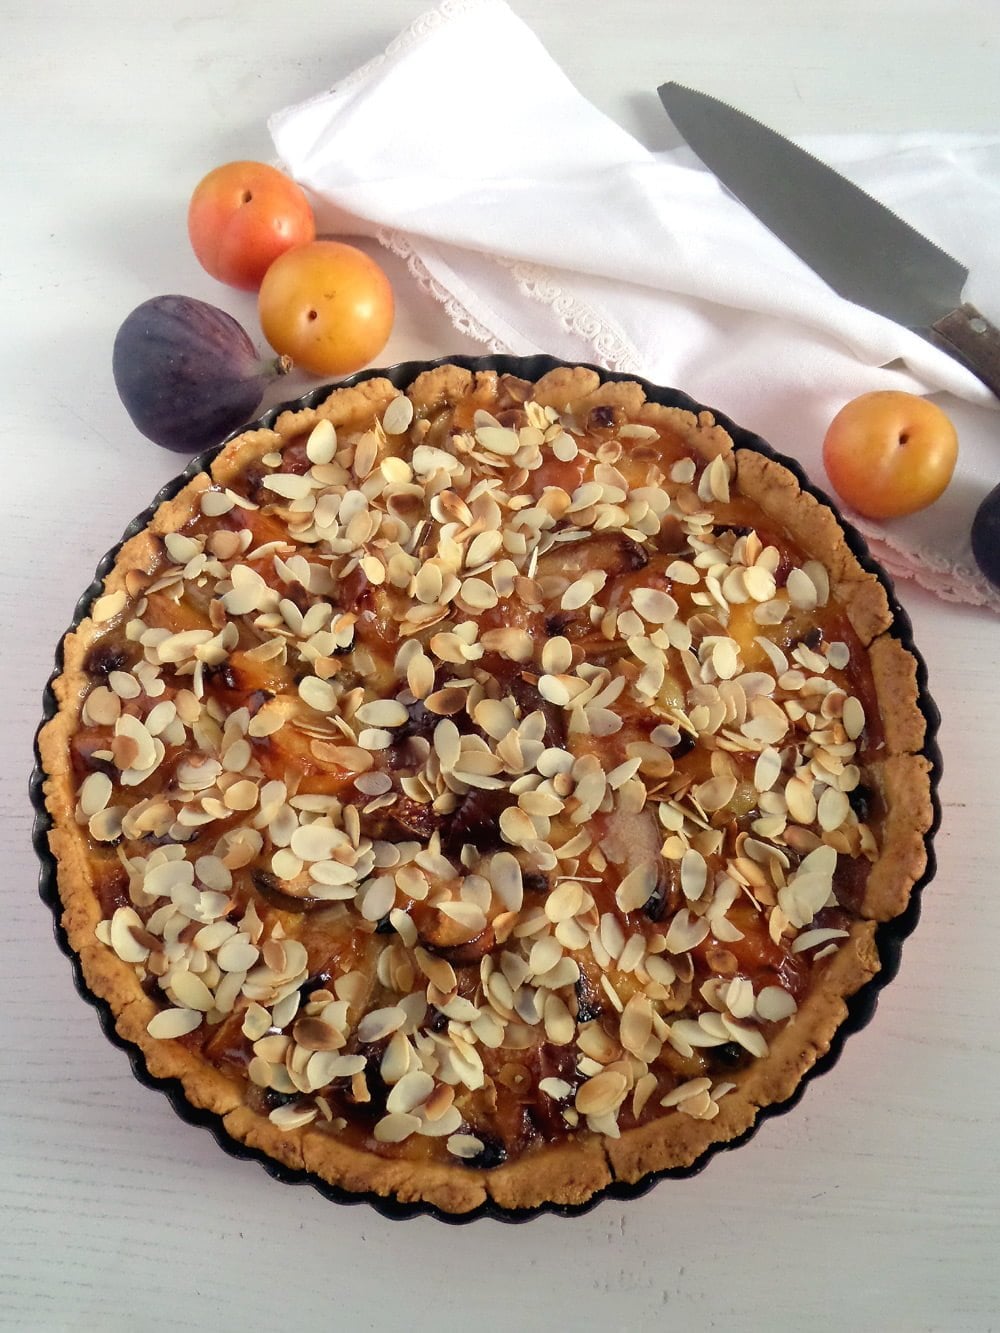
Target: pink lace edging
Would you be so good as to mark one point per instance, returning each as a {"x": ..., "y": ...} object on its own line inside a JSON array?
[{"x": 949, "y": 582}]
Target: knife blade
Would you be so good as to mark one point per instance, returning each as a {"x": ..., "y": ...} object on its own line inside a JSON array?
[{"x": 858, "y": 246}]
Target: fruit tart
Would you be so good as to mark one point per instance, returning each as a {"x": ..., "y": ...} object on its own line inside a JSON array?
[{"x": 487, "y": 789}]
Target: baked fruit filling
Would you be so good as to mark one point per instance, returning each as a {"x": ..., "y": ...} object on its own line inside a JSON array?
[{"x": 486, "y": 789}]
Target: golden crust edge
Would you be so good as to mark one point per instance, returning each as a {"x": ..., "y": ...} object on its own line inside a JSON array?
[
  {"x": 903, "y": 783},
  {"x": 677, "y": 1141},
  {"x": 452, "y": 1188},
  {"x": 894, "y": 673},
  {"x": 903, "y": 856},
  {"x": 65, "y": 839},
  {"x": 566, "y": 1174},
  {"x": 814, "y": 526}
]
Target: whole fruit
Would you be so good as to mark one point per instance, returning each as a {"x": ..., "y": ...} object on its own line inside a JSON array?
[
  {"x": 986, "y": 536},
  {"x": 890, "y": 453},
  {"x": 328, "y": 306},
  {"x": 242, "y": 216},
  {"x": 187, "y": 372}
]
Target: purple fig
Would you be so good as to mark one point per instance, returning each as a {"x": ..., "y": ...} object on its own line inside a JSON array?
[
  {"x": 986, "y": 536},
  {"x": 187, "y": 372}
]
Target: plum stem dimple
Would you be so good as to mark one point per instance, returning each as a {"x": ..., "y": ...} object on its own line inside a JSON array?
[{"x": 245, "y": 197}]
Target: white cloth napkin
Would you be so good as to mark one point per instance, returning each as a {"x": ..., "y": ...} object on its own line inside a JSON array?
[{"x": 543, "y": 226}]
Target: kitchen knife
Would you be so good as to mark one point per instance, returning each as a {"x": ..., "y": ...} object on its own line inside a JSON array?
[{"x": 859, "y": 247}]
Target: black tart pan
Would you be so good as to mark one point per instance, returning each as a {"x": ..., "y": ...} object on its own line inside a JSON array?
[{"x": 889, "y": 936}]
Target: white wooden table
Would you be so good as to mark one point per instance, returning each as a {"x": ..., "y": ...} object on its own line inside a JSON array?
[{"x": 874, "y": 1204}]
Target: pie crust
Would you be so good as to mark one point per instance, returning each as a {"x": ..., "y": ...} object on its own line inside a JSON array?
[{"x": 664, "y": 645}]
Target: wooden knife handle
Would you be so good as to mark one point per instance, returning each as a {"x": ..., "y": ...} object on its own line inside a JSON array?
[{"x": 970, "y": 338}]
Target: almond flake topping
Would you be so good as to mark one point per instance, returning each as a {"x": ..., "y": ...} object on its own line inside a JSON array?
[
  {"x": 398, "y": 415},
  {"x": 602, "y": 1093},
  {"x": 444, "y": 783},
  {"x": 654, "y": 605},
  {"x": 169, "y": 1023}
]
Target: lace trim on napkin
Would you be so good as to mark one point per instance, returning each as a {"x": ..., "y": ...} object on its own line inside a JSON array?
[
  {"x": 400, "y": 245},
  {"x": 611, "y": 348},
  {"x": 950, "y": 582}
]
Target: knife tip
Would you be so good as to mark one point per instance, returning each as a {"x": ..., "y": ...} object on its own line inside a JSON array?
[{"x": 675, "y": 92}]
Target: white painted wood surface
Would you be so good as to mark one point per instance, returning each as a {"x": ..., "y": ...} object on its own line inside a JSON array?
[{"x": 873, "y": 1206}]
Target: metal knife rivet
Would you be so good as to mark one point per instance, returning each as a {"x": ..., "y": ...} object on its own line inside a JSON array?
[{"x": 978, "y": 325}]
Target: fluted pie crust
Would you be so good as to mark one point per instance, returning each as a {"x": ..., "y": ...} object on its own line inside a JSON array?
[{"x": 845, "y": 776}]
